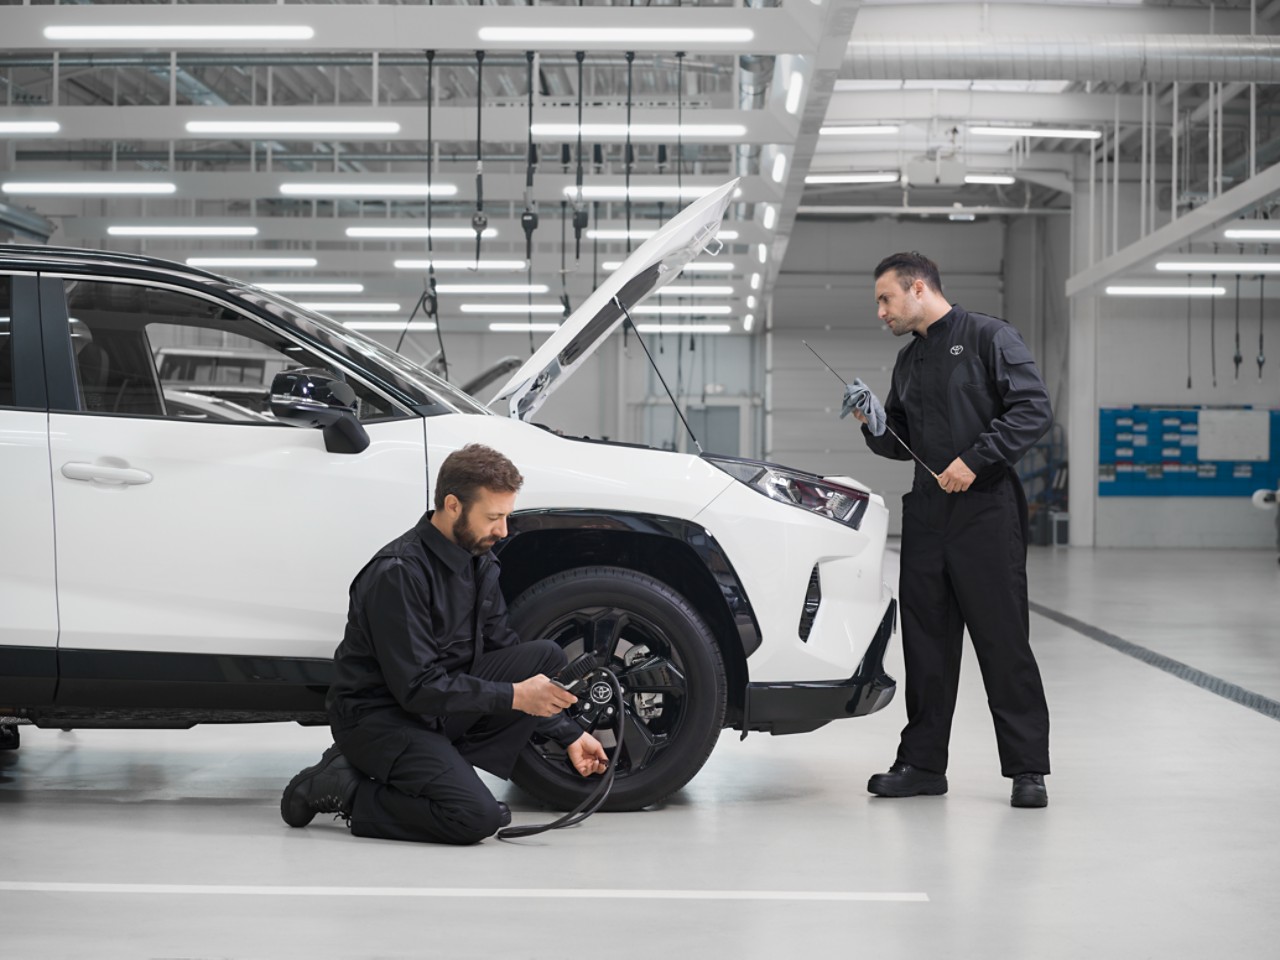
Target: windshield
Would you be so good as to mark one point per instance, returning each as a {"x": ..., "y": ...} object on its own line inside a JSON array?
[{"x": 433, "y": 394}]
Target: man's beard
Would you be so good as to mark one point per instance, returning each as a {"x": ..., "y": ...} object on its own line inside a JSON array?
[{"x": 462, "y": 535}]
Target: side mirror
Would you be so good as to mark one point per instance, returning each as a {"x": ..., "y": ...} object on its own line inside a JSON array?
[{"x": 313, "y": 397}]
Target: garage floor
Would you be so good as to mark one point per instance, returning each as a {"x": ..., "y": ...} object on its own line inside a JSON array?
[{"x": 1161, "y": 839}]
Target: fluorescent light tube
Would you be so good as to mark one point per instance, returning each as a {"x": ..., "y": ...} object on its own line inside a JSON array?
[
  {"x": 995, "y": 178},
  {"x": 1047, "y": 132},
  {"x": 1221, "y": 266},
  {"x": 29, "y": 126},
  {"x": 748, "y": 321},
  {"x": 411, "y": 233},
  {"x": 494, "y": 265},
  {"x": 191, "y": 231},
  {"x": 751, "y": 302},
  {"x": 683, "y": 310},
  {"x": 707, "y": 291},
  {"x": 779, "y": 167},
  {"x": 96, "y": 187},
  {"x": 683, "y": 327},
  {"x": 755, "y": 281},
  {"x": 313, "y": 287},
  {"x": 602, "y": 131},
  {"x": 1125, "y": 291},
  {"x": 719, "y": 266},
  {"x": 770, "y": 216},
  {"x": 264, "y": 262},
  {"x": 512, "y": 308},
  {"x": 879, "y": 130},
  {"x": 638, "y": 193},
  {"x": 961, "y": 217},
  {"x": 176, "y": 32},
  {"x": 795, "y": 87},
  {"x": 851, "y": 178},
  {"x": 503, "y": 327},
  {"x": 496, "y": 288},
  {"x": 762, "y": 252},
  {"x": 388, "y": 325},
  {"x": 679, "y": 37},
  {"x": 367, "y": 189},
  {"x": 1252, "y": 233},
  {"x": 292, "y": 128},
  {"x": 352, "y": 306}
]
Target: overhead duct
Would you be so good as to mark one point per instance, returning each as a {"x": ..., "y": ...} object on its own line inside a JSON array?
[{"x": 1111, "y": 59}]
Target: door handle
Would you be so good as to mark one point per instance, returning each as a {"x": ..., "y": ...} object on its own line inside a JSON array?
[{"x": 104, "y": 474}]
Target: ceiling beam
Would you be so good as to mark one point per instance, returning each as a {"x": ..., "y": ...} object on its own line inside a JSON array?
[
  {"x": 1205, "y": 217},
  {"x": 968, "y": 106},
  {"x": 395, "y": 27}
]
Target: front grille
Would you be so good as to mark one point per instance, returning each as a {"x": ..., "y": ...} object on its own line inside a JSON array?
[{"x": 812, "y": 600}]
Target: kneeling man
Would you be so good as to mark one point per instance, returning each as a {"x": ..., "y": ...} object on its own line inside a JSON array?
[{"x": 431, "y": 681}]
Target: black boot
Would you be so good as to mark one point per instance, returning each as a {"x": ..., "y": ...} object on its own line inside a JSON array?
[
  {"x": 904, "y": 780},
  {"x": 1029, "y": 791},
  {"x": 327, "y": 787},
  {"x": 504, "y": 815}
]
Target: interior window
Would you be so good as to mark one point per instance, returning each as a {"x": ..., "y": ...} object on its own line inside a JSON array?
[
  {"x": 148, "y": 351},
  {"x": 6, "y": 345}
]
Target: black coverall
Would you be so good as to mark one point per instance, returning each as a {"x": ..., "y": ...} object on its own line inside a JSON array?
[
  {"x": 968, "y": 388},
  {"x": 424, "y": 689}
]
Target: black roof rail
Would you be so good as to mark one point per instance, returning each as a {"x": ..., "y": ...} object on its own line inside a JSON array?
[{"x": 40, "y": 251}]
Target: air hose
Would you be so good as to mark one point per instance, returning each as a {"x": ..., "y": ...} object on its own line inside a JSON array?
[{"x": 583, "y": 677}]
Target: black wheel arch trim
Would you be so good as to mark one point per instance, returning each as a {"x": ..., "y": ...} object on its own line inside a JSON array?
[
  {"x": 680, "y": 553},
  {"x": 801, "y": 706}
]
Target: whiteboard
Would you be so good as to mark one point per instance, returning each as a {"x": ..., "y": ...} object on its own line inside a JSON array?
[{"x": 1235, "y": 435}]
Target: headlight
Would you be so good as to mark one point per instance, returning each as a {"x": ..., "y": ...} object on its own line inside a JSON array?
[{"x": 807, "y": 491}]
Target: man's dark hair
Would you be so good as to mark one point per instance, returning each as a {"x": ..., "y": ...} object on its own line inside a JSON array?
[
  {"x": 465, "y": 471},
  {"x": 911, "y": 267}
]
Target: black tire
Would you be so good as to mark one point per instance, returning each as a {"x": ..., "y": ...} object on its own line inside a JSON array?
[
  {"x": 671, "y": 671},
  {"x": 9, "y": 736}
]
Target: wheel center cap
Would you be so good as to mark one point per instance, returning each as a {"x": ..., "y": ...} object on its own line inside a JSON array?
[{"x": 601, "y": 692}]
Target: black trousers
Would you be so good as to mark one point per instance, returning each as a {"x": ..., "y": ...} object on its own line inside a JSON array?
[
  {"x": 423, "y": 784},
  {"x": 964, "y": 563}
]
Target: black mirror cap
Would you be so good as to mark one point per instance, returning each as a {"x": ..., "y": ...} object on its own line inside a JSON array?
[{"x": 311, "y": 397}]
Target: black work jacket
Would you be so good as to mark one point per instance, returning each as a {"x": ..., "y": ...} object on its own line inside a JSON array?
[
  {"x": 968, "y": 388},
  {"x": 417, "y": 610}
]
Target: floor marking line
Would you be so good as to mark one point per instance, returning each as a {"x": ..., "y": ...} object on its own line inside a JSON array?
[
  {"x": 1205, "y": 681},
  {"x": 503, "y": 893}
]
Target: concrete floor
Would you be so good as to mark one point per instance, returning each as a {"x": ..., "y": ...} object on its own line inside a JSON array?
[{"x": 1161, "y": 839}]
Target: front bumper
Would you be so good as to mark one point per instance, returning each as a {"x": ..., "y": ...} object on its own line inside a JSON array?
[{"x": 798, "y": 707}]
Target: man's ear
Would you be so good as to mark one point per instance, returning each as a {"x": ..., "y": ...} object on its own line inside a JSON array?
[{"x": 452, "y": 505}]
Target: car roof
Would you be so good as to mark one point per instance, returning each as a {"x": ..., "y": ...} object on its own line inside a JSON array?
[{"x": 43, "y": 257}]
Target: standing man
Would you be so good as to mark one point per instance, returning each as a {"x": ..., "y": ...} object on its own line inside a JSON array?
[
  {"x": 967, "y": 399},
  {"x": 431, "y": 680}
]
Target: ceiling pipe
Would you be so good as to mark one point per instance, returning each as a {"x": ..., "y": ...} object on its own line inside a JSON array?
[
  {"x": 1166, "y": 58},
  {"x": 25, "y": 224},
  {"x": 189, "y": 60}
]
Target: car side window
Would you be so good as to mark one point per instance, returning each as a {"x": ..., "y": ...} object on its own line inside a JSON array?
[
  {"x": 6, "y": 343},
  {"x": 149, "y": 351}
]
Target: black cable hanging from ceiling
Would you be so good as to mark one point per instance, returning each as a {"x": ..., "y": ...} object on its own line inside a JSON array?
[
  {"x": 628, "y": 157},
  {"x": 1188, "y": 332},
  {"x": 1213, "y": 325},
  {"x": 529, "y": 219},
  {"x": 1262, "y": 280},
  {"x": 429, "y": 300},
  {"x": 579, "y": 207},
  {"x": 1237, "y": 359},
  {"x": 478, "y": 219}
]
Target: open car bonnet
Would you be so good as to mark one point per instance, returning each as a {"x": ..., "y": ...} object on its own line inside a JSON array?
[{"x": 653, "y": 264}]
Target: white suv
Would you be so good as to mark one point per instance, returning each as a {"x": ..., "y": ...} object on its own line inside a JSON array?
[{"x": 162, "y": 569}]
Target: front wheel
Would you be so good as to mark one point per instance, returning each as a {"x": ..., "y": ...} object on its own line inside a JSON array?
[{"x": 669, "y": 667}]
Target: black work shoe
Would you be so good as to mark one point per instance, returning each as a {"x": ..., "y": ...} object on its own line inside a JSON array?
[
  {"x": 504, "y": 815},
  {"x": 904, "y": 780},
  {"x": 327, "y": 787},
  {"x": 1029, "y": 791}
]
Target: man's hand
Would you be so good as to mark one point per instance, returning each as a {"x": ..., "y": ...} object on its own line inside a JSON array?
[
  {"x": 957, "y": 477},
  {"x": 588, "y": 756},
  {"x": 540, "y": 697}
]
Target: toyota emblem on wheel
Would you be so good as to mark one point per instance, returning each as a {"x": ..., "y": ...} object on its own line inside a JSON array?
[{"x": 601, "y": 692}]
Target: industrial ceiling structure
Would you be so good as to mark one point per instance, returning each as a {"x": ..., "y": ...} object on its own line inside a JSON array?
[{"x": 296, "y": 143}]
